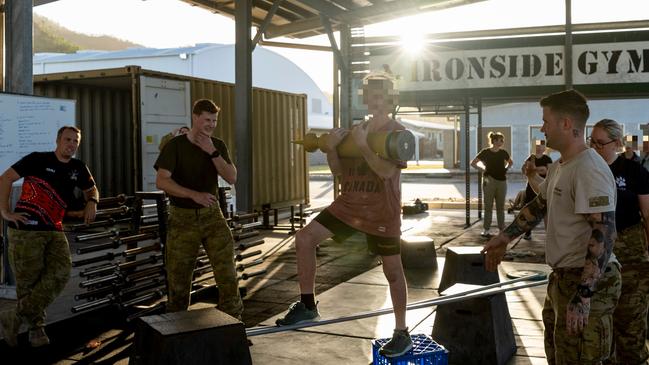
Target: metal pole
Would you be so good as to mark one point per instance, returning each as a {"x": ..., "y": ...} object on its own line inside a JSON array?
[
  {"x": 479, "y": 149},
  {"x": 243, "y": 105},
  {"x": 469, "y": 294},
  {"x": 2, "y": 61},
  {"x": 568, "y": 46},
  {"x": 467, "y": 168},
  {"x": 18, "y": 50},
  {"x": 345, "y": 77}
]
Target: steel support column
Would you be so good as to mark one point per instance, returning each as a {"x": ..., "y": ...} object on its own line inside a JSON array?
[
  {"x": 479, "y": 131},
  {"x": 467, "y": 166},
  {"x": 243, "y": 104},
  {"x": 567, "y": 48},
  {"x": 18, "y": 47},
  {"x": 345, "y": 77},
  {"x": 2, "y": 59}
]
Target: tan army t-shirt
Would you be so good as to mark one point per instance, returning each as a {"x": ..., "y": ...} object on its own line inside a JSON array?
[{"x": 573, "y": 189}]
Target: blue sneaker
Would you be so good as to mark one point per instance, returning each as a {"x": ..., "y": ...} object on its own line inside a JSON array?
[
  {"x": 298, "y": 313},
  {"x": 399, "y": 344}
]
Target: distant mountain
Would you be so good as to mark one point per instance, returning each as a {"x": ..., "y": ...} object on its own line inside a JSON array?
[{"x": 49, "y": 36}]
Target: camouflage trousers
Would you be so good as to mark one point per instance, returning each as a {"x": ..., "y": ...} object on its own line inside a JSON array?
[
  {"x": 630, "y": 317},
  {"x": 188, "y": 230},
  {"x": 41, "y": 263},
  {"x": 593, "y": 346}
]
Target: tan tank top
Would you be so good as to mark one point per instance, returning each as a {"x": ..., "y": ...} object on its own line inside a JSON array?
[{"x": 367, "y": 202}]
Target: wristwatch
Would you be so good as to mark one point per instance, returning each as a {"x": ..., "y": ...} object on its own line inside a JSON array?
[
  {"x": 215, "y": 154},
  {"x": 584, "y": 291}
]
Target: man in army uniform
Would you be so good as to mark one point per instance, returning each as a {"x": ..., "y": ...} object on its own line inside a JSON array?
[
  {"x": 578, "y": 196},
  {"x": 187, "y": 170},
  {"x": 38, "y": 250}
]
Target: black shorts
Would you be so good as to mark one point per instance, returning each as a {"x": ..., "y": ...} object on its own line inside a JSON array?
[{"x": 384, "y": 246}]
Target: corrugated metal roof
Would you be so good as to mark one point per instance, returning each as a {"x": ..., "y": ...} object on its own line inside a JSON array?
[{"x": 302, "y": 18}]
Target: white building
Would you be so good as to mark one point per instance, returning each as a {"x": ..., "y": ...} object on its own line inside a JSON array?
[{"x": 209, "y": 61}]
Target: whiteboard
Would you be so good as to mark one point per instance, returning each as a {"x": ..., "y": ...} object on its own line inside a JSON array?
[{"x": 29, "y": 124}]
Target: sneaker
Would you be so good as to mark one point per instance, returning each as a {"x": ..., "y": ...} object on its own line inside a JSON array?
[
  {"x": 527, "y": 236},
  {"x": 298, "y": 313},
  {"x": 38, "y": 337},
  {"x": 485, "y": 233},
  {"x": 10, "y": 325},
  {"x": 399, "y": 344}
]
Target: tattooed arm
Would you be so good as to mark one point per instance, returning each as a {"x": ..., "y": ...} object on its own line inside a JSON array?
[
  {"x": 527, "y": 218},
  {"x": 600, "y": 247}
]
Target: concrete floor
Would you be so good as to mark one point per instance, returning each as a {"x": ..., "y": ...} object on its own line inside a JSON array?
[
  {"x": 350, "y": 342},
  {"x": 349, "y": 281}
]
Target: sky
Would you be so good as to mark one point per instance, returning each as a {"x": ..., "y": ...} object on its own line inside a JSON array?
[{"x": 173, "y": 23}]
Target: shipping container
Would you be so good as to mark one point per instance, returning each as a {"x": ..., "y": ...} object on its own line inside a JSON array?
[{"x": 124, "y": 112}]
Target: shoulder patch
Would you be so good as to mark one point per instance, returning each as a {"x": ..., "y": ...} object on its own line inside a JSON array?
[{"x": 598, "y": 201}]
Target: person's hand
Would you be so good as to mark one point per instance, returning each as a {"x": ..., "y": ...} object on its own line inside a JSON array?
[
  {"x": 204, "y": 199},
  {"x": 529, "y": 169},
  {"x": 494, "y": 251},
  {"x": 359, "y": 133},
  {"x": 90, "y": 212},
  {"x": 205, "y": 143},
  {"x": 336, "y": 136},
  {"x": 15, "y": 217},
  {"x": 577, "y": 315}
]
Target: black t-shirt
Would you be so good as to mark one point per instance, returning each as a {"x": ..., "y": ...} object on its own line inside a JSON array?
[
  {"x": 494, "y": 162},
  {"x": 48, "y": 189},
  {"x": 191, "y": 167},
  {"x": 631, "y": 180},
  {"x": 544, "y": 160}
]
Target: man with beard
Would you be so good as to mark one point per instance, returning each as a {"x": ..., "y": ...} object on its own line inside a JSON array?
[
  {"x": 38, "y": 249},
  {"x": 579, "y": 196}
]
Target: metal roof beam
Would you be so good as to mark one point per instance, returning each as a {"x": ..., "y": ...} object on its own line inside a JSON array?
[
  {"x": 42, "y": 2},
  {"x": 342, "y": 62},
  {"x": 363, "y": 15},
  {"x": 266, "y": 5},
  {"x": 546, "y": 29},
  {"x": 323, "y": 7},
  {"x": 293, "y": 28},
  {"x": 347, "y": 4},
  {"x": 395, "y": 9},
  {"x": 264, "y": 25}
]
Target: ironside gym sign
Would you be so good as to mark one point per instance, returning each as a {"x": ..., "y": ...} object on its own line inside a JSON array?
[{"x": 594, "y": 63}]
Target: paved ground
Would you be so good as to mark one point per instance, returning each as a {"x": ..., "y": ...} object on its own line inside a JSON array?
[
  {"x": 433, "y": 189},
  {"x": 269, "y": 295}
]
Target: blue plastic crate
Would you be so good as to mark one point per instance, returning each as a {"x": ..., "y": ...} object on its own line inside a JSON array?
[{"x": 424, "y": 351}]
